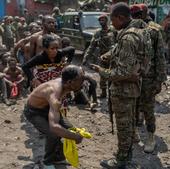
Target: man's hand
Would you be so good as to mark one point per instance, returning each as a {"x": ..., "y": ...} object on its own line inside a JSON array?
[
  {"x": 78, "y": 138},
  {"x": 104, "y": 58},
  {"x": 96, "y": 68},
  {"x": 11, "y": 84}
]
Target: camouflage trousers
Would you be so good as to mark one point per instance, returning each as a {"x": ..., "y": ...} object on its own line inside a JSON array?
[
  {"x": 124, "y": 109},
  {"x": 103, "y": 81},
  {"x": 146, "y": 104}
]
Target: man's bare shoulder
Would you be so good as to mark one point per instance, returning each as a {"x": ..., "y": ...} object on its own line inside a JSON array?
[
  {"x": 19, "y": 68},
  {"x": 36, "y": 35},
  {"x": 6, "y": 70},
  {"x": 46, "y": 87},
  {"x": 56, "y": 36}
]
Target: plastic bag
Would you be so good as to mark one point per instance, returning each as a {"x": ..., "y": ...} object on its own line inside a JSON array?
[{"x": 70, "y": 148}]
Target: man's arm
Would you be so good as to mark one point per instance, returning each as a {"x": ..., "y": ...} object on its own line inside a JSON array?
[
  {"x": 90, "y": 50},
  {"x": 36, "y": 60},
  {"x": 21, "y": 74},
  {"x": 127, "y": 67},
  {"x": 32, "y": 45},
  {"x": 21, "y": 44},
  {"x": 7, "y": 80},
  {"x": 160, "y": 61},
  {"x": 54, "y": 117}
]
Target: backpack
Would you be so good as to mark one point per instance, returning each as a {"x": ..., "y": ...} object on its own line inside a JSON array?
[{"x": 145, "y": 50}]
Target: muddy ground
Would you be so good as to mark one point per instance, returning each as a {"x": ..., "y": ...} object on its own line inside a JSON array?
[{"x": 22, "y": 148}]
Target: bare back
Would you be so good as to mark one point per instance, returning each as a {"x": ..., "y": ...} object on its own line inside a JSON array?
[
  {"x": 35, "y": 44},
  {"x": 27, "y": 52},
  {"x": 45, "y": 94}
]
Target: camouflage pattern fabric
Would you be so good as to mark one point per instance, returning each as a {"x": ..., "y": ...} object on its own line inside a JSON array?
[
  {"x": 158, "y": 62},
  {"x": 123, "y": 93},
  {"x": 101, "y": 43},
  {"x": 147, "y": 103},
  {"x": 167, "y": 40},
  {"x": 151, "y": 84},
  {"x": 124, "y": 109}
]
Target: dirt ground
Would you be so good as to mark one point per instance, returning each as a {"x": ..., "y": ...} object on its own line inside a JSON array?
[{"x": 22, "y": 148}]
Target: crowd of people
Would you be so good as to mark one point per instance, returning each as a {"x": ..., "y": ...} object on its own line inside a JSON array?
[{"x": 129, "y": 57}]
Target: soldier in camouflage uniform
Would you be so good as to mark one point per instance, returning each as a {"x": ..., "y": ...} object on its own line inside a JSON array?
[
  {"x": 124, "y": 77},
  {"x": 101, "y": 43},
  {"x": 151, "y": 83},
  {"x": 167, "y": 40}
]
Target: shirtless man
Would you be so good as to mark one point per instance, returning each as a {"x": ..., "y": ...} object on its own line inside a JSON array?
[
  {"x": 43, "y": 111},
  {"x": 48, "y": 24},
  {"x": 13, "y": 75},
  {"x": 23, "y": 46}
]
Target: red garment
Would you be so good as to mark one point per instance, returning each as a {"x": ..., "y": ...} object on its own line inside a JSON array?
[{"x": 14, "y": 90}]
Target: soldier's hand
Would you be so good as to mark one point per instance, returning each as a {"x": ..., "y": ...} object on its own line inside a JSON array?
[
  {"x": 104, "y": 58},
  {"x": 96, "y": 68}
]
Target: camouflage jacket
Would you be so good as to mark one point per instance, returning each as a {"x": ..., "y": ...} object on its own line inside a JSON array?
[
  {"x": 167, "y": 33},
  {"x": 157, "y": 72},
  {"x": 123, "y": 61},
  {"x": 101, "y": 43}
]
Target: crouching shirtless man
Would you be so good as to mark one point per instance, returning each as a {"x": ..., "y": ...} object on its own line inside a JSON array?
[{"x": 43, "y": 111}]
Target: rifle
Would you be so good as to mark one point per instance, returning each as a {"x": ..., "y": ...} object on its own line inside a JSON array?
[{"x": 110, "y": 108}]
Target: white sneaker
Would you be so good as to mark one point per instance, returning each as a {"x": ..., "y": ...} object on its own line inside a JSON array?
[{"x": 49, "y": 167}]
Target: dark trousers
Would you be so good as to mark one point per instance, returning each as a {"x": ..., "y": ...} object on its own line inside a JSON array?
[{"x": 53, "y": 144}]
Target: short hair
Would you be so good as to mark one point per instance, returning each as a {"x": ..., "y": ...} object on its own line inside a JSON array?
[
  {"x": 66, "y": 40},
  {"x": 70, "y": 72},
  {"x": 46, "y": 17},
  {"x": 31, "y": 25},
  {"x": 120, "y": 8},
  {"x": 11, "y": 59},
  {"x": 47, "y": 39},
  {"x": 103, "y": 16}
]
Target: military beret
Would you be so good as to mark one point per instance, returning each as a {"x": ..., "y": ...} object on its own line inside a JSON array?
[
  {"x": 135, "y": 9},
  {"x": 103, "y": 16},
  {"x": 143, "y": 7}
]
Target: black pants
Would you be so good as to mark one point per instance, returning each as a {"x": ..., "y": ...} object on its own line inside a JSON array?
[{"x": 53, "y": 144}]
